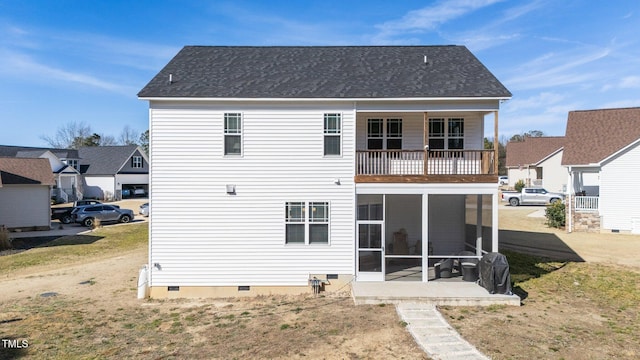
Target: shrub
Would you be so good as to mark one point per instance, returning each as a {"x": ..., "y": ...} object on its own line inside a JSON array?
[
  {"x": 519, "y": 185},
  {"x": 5, "y": 241},
  {"x": 556, "y": 215}
]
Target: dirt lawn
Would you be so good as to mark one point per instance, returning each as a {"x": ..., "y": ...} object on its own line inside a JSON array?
[
  {"x": 573, "y": 311},
  {"x": 95, "y": 314}
]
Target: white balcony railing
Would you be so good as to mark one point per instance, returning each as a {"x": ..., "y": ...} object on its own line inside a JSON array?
[
  {"x": 586, "y": 203},
  {"x": 412, "y": 162}
]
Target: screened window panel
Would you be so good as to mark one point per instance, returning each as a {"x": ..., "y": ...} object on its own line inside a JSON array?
[
  {"x": 295, "y": 234},
  {"x": 318, "y": 233},
  {"x": 331, "y": 145},
  {"x": 232, "y": 145},
  {"x": 370, "y": 236}
]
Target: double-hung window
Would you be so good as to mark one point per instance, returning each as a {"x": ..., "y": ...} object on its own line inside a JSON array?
[
  {"x": 380, "y": 137},
  {"x": 232, "y": 134},
  {"x": 307, "y": 222},
  {"x": 446, "y": 134},
  {"x": 332, "y": 134},
  {"x": 136, "y": 162}
]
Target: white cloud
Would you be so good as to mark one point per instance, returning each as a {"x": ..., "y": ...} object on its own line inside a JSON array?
[
  {"x": 538, "y": 101},
  {"x": 556, "y": 69},
  {"x": 14, "y": 63},
  {"x": 630, "y": 82},
  {"x": 427, "y": 18}
]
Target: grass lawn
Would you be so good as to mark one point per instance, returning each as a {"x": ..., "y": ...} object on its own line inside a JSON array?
[{"x": 67, "y": 250}]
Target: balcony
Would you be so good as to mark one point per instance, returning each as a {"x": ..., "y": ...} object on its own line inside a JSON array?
[{"x": 425, "y": 166}]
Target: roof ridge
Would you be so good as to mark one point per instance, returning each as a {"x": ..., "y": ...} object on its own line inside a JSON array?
[{"x": 608, "y": 109}]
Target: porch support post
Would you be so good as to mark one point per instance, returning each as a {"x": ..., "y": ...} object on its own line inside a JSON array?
[
  {"x": 425, "y": 237},
  {"x": 494, "y": 222},
  {"x": 425, "y": 143},
  {"x": 479, "y": 226},
  {"x": 570, "y": 191},
  {"x": 495, "y": 142}
]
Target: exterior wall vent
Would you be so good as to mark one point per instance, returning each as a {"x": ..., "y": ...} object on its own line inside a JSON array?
[
  {"x": 332, "y": 276},
  {"x": 173, "y": 288},
  {"x": 244, "y": 288}
]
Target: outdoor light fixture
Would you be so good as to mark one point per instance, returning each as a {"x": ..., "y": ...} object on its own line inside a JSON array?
[{"x": 336, "y": 181}]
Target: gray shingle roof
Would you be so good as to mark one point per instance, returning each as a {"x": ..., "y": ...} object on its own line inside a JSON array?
[
  {"x": 324, "y": 72},
  {"x": 104, "y": 160},
  {"x": 27, "y": 151}
]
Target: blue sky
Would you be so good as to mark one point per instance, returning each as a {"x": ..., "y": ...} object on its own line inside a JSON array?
[{"x": 84, "y": 61}]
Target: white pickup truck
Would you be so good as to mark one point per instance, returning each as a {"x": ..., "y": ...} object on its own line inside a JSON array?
[{"x": 531, "y": 196}]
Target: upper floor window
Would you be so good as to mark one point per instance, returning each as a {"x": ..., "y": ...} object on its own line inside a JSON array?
[
  {"x": 446, "y": 133},
  {"x": 136, "y": 162},
  {"x": 380, "y": 137},
  {"x": 332, "y": 134},
  {"x": 73, "y": 163},
  {"x": 232, "y": 134}
]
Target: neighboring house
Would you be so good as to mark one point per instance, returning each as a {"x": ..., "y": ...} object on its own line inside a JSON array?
[
  {"x": 602, "y": 153},
  {"x": 272, "y": 166},
  {"x": 64, "y": 164},
  {"x": 24, "y": 193},
  {"x": 536, "y": 161},
  {"x": 114, "y": 172}
]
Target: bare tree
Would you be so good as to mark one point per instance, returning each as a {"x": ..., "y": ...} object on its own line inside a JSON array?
[
  {"x": 144, "y": 141},
  {"x": 67, "y": 136},
  {"x": 128, "y": 136},
  {"x": 107, "y": 140}
]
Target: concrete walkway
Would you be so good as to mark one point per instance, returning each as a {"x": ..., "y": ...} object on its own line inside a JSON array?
[{"x": 434, "y": 335}]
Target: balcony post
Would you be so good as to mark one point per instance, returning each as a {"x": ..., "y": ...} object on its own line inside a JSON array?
[
  {"x": 496, "y": 156},
  {"x": 425, "y": 143}
]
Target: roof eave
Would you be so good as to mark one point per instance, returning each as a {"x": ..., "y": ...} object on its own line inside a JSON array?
[{"x": 197, "y": 99}]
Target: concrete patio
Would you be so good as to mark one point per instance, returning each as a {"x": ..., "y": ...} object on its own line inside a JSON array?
[{"x": 452, "y": 292}]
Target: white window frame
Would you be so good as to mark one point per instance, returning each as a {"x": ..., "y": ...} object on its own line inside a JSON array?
[
  {"x": 232, "y": 132},
  {"x": 446, "y": 135},
  {"x": 73, "y": 163},
  {"x": 330, "y": 132},
  {"x": 136, "y": 162},
  {"x": 385, "y": 135},
  {"x": 308, "y": 220}
]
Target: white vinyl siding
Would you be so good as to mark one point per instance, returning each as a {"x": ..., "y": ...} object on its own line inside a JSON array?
[
  {"x": 554, "y": 175},
  {"x": 202, "y": 236},
  {"x": 100, "y": 187},
  {"x": 618, "y": 199}
]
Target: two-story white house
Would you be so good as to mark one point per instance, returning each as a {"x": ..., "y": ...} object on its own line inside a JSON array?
[{"x": 274, "y": 165}]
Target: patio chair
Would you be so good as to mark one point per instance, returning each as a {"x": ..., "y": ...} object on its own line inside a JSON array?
[
  {"x": 443, "y": 268},
  {"x": 468, "y": 266}
]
